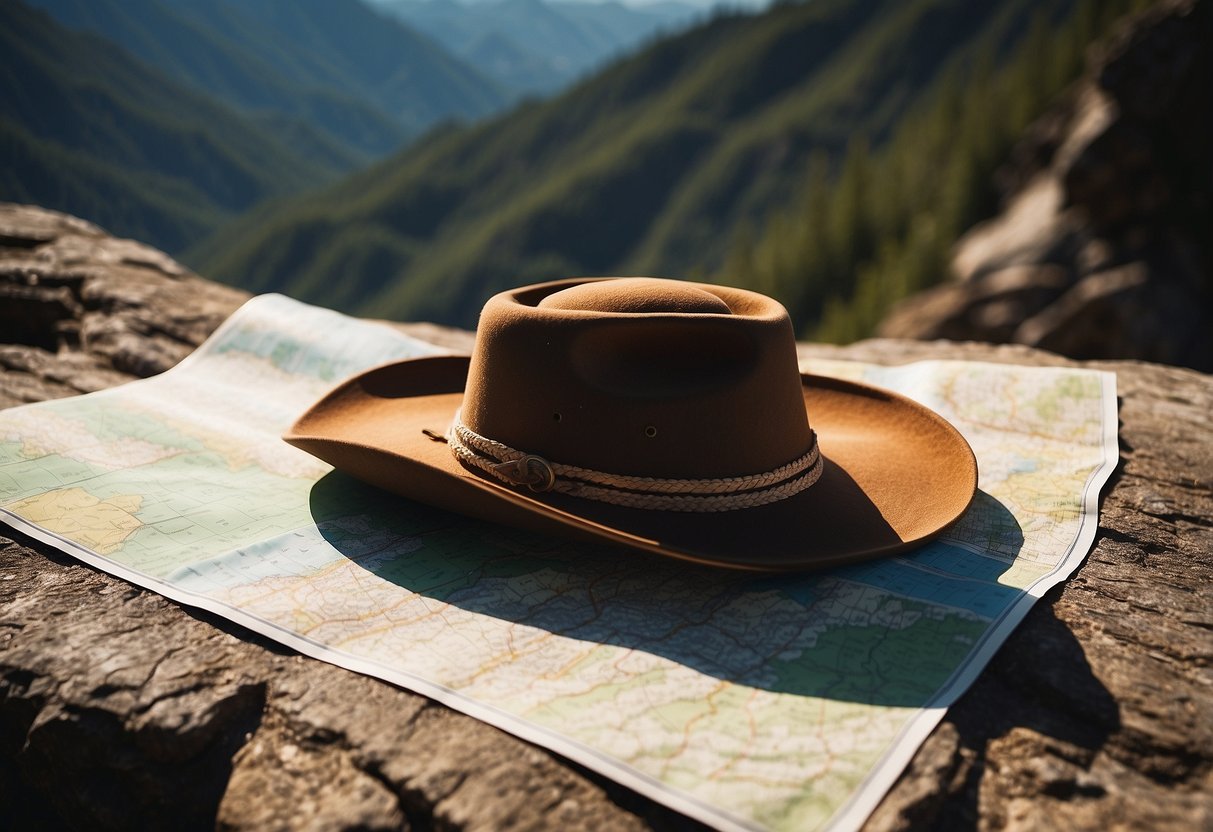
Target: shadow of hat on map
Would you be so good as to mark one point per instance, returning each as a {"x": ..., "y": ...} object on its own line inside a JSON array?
[{"x": 887, "y": 632}]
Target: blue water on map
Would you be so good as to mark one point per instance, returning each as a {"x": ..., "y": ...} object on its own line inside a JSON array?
[{"x": 941, "y": 574}]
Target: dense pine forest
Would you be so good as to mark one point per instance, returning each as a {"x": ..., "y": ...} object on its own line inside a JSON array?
[{"x": 881, "y": 228}]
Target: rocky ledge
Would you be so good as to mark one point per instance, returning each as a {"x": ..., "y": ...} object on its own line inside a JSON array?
[{"x": 120, "y": 709}]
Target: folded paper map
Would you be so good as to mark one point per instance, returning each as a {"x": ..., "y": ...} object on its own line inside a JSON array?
[{"x": 784, "y": 702}]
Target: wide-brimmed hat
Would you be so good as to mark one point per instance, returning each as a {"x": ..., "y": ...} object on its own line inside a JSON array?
[{"x": 665, "y": 416}]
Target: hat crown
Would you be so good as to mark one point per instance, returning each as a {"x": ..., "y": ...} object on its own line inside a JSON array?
[
  {"x": 639, "y": 376},
  {"x": 635, "y": 296}
]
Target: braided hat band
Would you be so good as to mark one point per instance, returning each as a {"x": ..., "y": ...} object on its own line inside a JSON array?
[{"x": 517, "y": 468}]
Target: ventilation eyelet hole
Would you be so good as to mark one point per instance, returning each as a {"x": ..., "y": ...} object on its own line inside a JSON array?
[
  {"x": 556, "y": 417},
  {"x": 650, "y": 431}
]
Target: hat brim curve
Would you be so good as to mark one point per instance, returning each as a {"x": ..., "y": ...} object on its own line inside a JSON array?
[{"x": 895, "y": 475}]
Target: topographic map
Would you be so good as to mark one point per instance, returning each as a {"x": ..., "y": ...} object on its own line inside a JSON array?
[{"x": 784, "y": 702}]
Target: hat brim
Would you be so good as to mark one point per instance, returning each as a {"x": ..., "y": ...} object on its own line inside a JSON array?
[{"x": 895, "y": 475}]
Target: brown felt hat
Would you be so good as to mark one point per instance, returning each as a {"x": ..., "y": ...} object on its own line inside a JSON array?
[{"x": 661, "y": 415}]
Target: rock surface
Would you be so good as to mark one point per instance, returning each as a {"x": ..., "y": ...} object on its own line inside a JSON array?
[
  {"x": 1104, "y": 249},
  {"x": 81, "y": 310},
  {"x": 120, "y": 709}
]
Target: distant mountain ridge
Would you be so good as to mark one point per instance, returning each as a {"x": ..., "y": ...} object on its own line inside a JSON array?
[
  {"x": 649, "y": 167},
  {"x": 539, "y": 46},
  {"x": 86, "y": 128},
  {"x": 351, "y": 73}
]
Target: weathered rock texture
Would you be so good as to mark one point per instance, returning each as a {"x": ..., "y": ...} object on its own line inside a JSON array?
[
  {"x": 80, "y": 310},
  {"x": 1105, "y": 246},
  {"x": 120, "y": 709}
]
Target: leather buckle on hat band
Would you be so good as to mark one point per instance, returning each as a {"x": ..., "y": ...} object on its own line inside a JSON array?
[{"x": 532, "y": 471}]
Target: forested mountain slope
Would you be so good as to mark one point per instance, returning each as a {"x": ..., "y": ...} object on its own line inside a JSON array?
[
  {"x": 362, "y": 78},
  {"x": 86, "y": 128},
  {"x": 851, "y": 245},
  {"x": 649, "y": 167}
]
